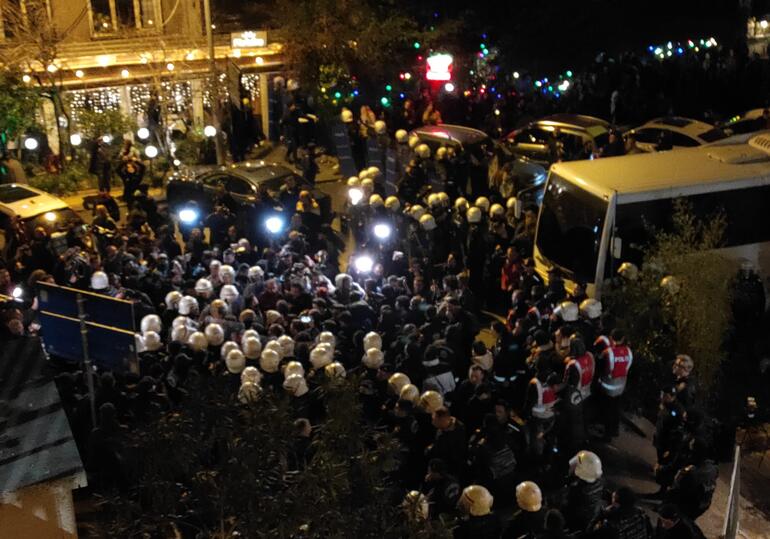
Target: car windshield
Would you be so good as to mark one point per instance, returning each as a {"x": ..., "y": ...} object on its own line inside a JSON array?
[
  {"x": 62, "y": 219},
  {"x": 713, "y": 135},
  {"x": 13, "y": 193},
  {"x": 569, "y": 230}
]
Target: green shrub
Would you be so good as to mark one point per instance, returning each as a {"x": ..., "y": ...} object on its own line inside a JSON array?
[
  {"x": 74, "y": 178},
  {"x": 190, "y": 149}
]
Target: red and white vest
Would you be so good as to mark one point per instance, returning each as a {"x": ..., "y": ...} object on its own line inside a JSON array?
[
  {"x": 620, "y": 358},
  {"x": 584, "y": 365},
  {"x": 546, "y": 400}
]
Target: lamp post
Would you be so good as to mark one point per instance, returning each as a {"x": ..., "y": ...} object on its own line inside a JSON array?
[{"x": 213, "y": 71}]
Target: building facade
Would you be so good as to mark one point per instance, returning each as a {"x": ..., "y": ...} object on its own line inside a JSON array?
[{"x": 113, "y": 54}]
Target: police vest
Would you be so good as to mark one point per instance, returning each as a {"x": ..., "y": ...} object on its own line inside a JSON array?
[
  {"x": 546, "y": 401},
  {"x": 584, "y": 365},
  {"x": 620, "y": 359}
]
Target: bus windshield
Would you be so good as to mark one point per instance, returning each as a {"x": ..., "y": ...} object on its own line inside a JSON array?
[{"x": 569, "y": 230}]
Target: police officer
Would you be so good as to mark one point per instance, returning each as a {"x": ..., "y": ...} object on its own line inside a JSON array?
[
  {"x": 479, "y": 522},
  {"x": 623, "y": 518},
  {"x": 584, "y": 490},
  {"x": 613, "y": 367},
  {"x": 694, "y": 484}
]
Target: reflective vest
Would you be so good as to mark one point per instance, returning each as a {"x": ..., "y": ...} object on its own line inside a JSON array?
[
  {"x": 585, "y": 369},
  {"x": 620, "y": 358},
  {"x": 546, "y": 400}
]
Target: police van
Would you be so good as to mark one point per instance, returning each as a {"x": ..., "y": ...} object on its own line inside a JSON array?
[
  {"x": 598, "y": 214},
  {"x": 35, "y": 208}
]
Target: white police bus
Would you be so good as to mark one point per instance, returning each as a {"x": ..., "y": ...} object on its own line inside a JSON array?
[{"x": 597, "y": 214}]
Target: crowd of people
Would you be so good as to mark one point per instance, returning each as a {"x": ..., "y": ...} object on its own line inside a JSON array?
[{"x": 501, "y": 431}]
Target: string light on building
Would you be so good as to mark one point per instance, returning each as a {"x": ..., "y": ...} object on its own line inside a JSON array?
[
  {"x": 170, "y": 66},
  {"x": 76, "y": 139},
  {"x": 31, "y": 143},
  {"x": 190, "y": 56},
  {"x": 210, "y": 131},
  {"x": 79, "y": 73},
  {"x": 143, "y": 133},
  {"x": 125, "y": 74},
  {"x": 52, "y": 68},
  {"x": 259, "y": 60},
  {"x": 27, "y": 79},
  {"x": 151, "y": 151}
]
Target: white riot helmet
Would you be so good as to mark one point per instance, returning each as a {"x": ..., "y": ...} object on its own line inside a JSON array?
[
  {"x": 443, "y": 198},
  {"x": 367, "y": 185},
  {"x": 427, "y": 222},
  {"x": 214, "y": 266},
  {"x": 269, "y": 361},
  {"x": 441, "y": 153},
  {"x": 473, "y": 215},
  {"x": 197, "y": 341},
  {"x": 181, "y": 321},
  {"x": 235, "y": 361},
  {"x": 591, "y": 308},
  {"x": 328, "y": 338},
  {"x": 414, "y": 141},
  {"x": 255, "y": 273},
  {"x": 151, "y": 322},
  {"x": 295, "y": 385},
  {"x": 275, "y": 346},
  {"x": 433, "y": 200},
  {"x": 252, "y": 347},
  {"x": 422, "y": 151},
  {"x": 373, "y": 358},
  {"x": 180, "y": 334},
  {"x": 227, "y": 347},
  {"x": 416, "y": 211},
  {"x": 346, "y": 116},
  {"x": 249, "y": 333},
  {"x": 430, "y": 401},
  {"x": 203, "y": 286},
  {"x": 628, "y": 271},
  {"x": 292, "y": 85},
  {"x": 587, "y": 466},
  {"x": 319, "y": 357},
  {"x": 249, "y": 392},
  {"x": 375, "y": 201},
  {"x": 510, "y": 204},
  {"x": 151, "y": 341},
  {"x": 402, "y": 136},
  {"x": 172, "y": 300},
  {"x": 380, "y": 127},
  {"x": 354, "y": 181},
  {"x": 139, "y": 343},
  {"x": 567, "y": 311},
  {"x": 476, "y": 501},
  {"x": 373, "y": 172},
  {"x": 392, "y": 203},
  {"x": 293, "y": 367},
  {"x": 496, "y": 210},
  {"x": 372, "y": 340},
  {"x": 215, "y": 335},
  {"x": 99, "y": 281},
  {"x": 529, "y": 497},
  {"x": 188, "y": 305},
  {"x": 335, "y": 370},
  {"x": 397, "y": 381},
  {"x": 461, "y": 204},
  {"x": 410, "y": 393},
  {"x": 287, "y": 345},
  {"x": 227, "y": 272},
  {"x": 251, "y": 374},
  {"x": 273, "y": 317},
  {"x": 482, "y": 203}
]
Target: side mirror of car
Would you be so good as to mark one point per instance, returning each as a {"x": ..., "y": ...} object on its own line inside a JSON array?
[{"x": 617, "y": 247}]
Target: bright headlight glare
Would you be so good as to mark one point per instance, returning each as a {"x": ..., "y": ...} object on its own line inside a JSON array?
[
  {"x": 50, "y": 216},
  {"x": 364, "y": 264},
  {"x": 274, "y": 225},
  {"x": 355, "y": 195},
  {"x": 17, "y": 293},
  {"x": 382, "y": 231},
  {"x": 188, "y": 216}
]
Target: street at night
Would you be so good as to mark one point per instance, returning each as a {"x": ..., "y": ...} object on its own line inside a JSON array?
[{"x": 308, "y": 269}]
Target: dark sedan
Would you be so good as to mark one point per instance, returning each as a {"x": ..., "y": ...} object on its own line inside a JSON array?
[{"x": 244, "y": 183}]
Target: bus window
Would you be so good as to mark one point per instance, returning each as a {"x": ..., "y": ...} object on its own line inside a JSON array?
[
  {"x": 634, "y": 223},
  {"x": 570, "y": 228}
]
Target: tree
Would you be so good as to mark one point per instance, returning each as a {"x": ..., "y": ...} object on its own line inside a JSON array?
[
  {"x": 681, "y": 302},
  {"x": 18, "y": 103},
  {"x": 360, "y": 40},
  {"x": 217, "y": 468}
]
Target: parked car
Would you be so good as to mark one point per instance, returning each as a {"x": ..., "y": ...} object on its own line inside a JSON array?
[
  {"x": 35, "y": 208},
  {"x": 242, "y": 182},
  {"x": 675, "y": 132},
  {"x": 748, "y": 122},
  {"x": 576, "y": 131}
]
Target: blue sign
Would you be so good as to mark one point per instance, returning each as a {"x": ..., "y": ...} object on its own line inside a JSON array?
[{"x": 110, "y": 326}]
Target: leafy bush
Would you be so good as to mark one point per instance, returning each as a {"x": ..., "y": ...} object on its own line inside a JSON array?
[
  {"x": 189, "y": 150},
  {"x": 110, "y": 122},
  {"x": 692, "y": 316},
  {"x": 74, "y": 178}
]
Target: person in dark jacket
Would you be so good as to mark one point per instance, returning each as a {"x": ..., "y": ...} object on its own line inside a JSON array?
[
  {"x": 584, "y": 491},
  {"x": 530, "y": 517},
  {"x": 623, "y": 518},
  {"x": 672, "y": 524},
  {"x": 694, "y": 484},
  {"x": 451, "y": 441}
]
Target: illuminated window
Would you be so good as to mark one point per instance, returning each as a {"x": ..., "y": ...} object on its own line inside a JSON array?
[{"x": 118, "y": 16}]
